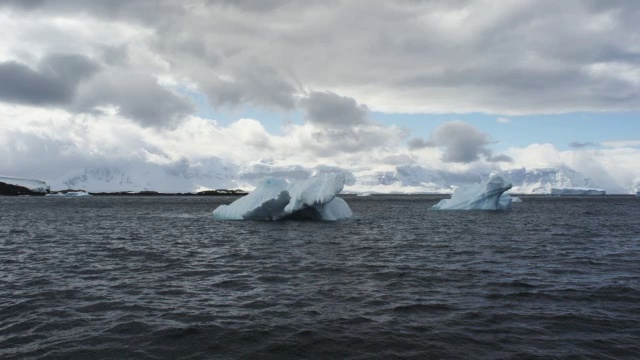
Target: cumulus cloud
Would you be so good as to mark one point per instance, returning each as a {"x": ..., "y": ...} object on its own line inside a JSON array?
[
  {"x": 462, "y": 143},
  {"x": 327, "y": 108},
  {"x": 339, "y": 124},
  {"x": 419, "y": 143}
]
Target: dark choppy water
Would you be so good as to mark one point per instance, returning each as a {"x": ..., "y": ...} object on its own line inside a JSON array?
[{"x": 126, "y": 277}]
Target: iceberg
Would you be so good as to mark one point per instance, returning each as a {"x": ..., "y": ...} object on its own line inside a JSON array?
[
  {"x": 70, "y": 194},
  {"x": 515, "y": 199},
  {"x": 484, "y": 196},
  {"x": 277, "y": 199},
  {"x": 577, "y": 191}
]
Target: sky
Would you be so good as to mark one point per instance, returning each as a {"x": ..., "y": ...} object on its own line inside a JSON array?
[{"x": 458, "y": 85}]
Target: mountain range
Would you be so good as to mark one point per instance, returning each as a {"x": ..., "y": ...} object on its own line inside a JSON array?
[{"x": 215, "y": 173}]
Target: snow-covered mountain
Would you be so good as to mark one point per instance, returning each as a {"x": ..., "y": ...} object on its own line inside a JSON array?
[{"x": 184, "y": 176}]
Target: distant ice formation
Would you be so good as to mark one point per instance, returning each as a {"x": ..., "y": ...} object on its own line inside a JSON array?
[
  {"x": 31, "y": 184},
  {"x": 577, "y": 191},
  {"x": 364, "y": 194},
  {"x": 484, "y": 196},
  {"x": 276, "y": 199},
  {"x": 70, "y": 194},
  {"x": 515, "y": 199}
]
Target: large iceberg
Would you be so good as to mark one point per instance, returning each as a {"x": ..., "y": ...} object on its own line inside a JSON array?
[
  {"x": 484, "y": 196},
  {"x": 276, "y": 199},
  {"x": 577, "y": 191}
]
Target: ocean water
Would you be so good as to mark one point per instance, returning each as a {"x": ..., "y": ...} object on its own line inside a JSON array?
[{"x": 158, "y": 278}]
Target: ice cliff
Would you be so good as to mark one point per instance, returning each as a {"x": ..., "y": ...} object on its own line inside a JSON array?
[
  {"x": 276, "y": 199},
  {"x": 484, "y": 196}
]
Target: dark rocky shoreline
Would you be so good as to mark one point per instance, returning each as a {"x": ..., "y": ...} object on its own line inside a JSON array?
[{"x": 16, "y": 190}]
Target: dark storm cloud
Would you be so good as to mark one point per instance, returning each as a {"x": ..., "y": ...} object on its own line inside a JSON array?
[
  {"x": 73, "y": 82},
  {"x": 327, "y": 108},
  {"x": 54, "y": 83},
  {"x": 259, "y": 86},
  {"x": 137, "y": 96},
  {"x": 580, "y": 145}
]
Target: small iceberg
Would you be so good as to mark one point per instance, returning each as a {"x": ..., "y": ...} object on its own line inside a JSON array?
[
  {"x": 277, "y": 199},
  {"x": 484, "y": 196},
  {"x": 364, "y": 194},
  {"x": 70, "y": 194},
  {"x": 515, "y": 199}
]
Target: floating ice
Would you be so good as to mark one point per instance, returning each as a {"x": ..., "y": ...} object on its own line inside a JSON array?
[
  {"x": 70, "y": 194},
  {"x": 484, "y": 196},
  {"x": 577, "y": 191},
  {"x": 515, "y": 199},
  {"x": 275, "y": 199}
]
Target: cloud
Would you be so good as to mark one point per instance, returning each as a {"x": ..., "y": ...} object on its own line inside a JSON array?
[
  {"x": 419, "y": 143},
  {"x": 135, "y": 95},
  {"x": 621, "y": 143},
  {"x": 462, "y": 143},
  {"x": 330, "y": 109},
  {"x": 50, "y": 143},
  {"x": 54, "y": 83},
  {"x": 503, "y": 120},
  {"x": 524, "y": 57},
  {"x": 339, "y": 124},
  {"x": 580, "y": 145},
  {"x": 259, "y": 86},
  {"x": 500, "y": 158}
]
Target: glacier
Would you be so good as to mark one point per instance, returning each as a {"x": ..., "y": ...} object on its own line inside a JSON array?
[
  {"x": 484, "y": 196},
  {"x": 577, "y": 191},
  {"x": 276, "y": 199},
  {"x": 34, "y": 185}
]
